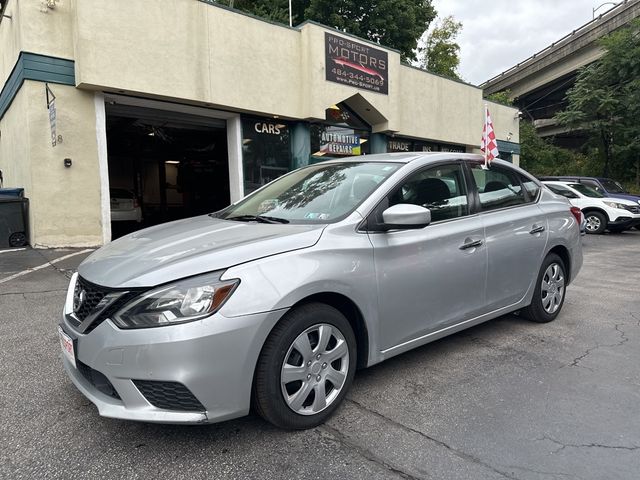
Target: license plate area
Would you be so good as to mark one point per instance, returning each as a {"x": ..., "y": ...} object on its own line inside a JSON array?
[{"x": 68, "y": 346}]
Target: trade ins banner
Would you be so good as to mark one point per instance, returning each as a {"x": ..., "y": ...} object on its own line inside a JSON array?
[{"x": 356, "y": 64}]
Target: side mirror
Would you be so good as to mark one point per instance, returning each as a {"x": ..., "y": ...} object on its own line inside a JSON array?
[{"x": 406, "y": 216}]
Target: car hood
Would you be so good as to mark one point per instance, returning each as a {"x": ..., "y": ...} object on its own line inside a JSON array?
[
  {"x": 189, "y": 247},
  {"x": 635, "y": 199}
]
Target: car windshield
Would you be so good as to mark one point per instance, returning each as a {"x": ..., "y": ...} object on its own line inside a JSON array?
[
  {"x": 320, "y": 193},
  {"x": 120, "y": 193},
  {"x": 586, "y": 191},
  {"x": 612, "y": 186}
]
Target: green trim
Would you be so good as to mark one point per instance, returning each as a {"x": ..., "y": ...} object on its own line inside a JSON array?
[
  {"x": 41, "y": 68},
  {"x": 508, "y": 147}
]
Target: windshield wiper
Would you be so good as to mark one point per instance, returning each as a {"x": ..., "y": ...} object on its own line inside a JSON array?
[{"x": 258, "y": 218}]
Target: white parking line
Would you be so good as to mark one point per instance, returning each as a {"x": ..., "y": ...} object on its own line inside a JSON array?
[
  {"x": 12, "y": 250},
  {"x": 44, "y": 265}
]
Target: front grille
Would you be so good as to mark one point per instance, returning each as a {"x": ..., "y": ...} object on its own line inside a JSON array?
[
  {"x": 97, "y": 379},
  {"x": 89, "y": 297},
  {"x": 633, "y": 209},
  {"x": 169, "y": 395},
  {"x": 92, "y": 296}
]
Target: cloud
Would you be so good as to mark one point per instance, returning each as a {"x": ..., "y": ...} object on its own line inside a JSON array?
[{"x": 498, "y": 34}]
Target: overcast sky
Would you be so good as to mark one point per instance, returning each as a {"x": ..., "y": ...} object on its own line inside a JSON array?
[{"x": 497, "y": 34}]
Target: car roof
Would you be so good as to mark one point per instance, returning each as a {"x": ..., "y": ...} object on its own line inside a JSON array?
[{"x": 406, "y": 157}]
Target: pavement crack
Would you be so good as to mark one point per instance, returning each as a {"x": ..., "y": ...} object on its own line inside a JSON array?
[
  {"x": 365, "y": 453},
  {"x": 66, "y": 273},
  {"x": 460, "y": 454},
  {"x": 623, "y": 339},
  {"x": 562, "y": 445}
]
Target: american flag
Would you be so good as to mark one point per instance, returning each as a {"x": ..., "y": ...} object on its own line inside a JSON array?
[{"x": 489, "y": 145}]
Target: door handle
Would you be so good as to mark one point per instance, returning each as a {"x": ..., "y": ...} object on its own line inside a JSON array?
[
  {"x": 536, "y": 229},
  {"x": 470, "y": 244}
]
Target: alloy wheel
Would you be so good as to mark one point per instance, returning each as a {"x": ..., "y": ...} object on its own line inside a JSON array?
[
  {"x": 315, "y": 369},
  {"x": 593, "y": 223},
  {"x": 552, "y": 288}
]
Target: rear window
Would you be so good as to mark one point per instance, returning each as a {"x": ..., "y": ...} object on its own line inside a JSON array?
[{"x": 120, "y": 193}]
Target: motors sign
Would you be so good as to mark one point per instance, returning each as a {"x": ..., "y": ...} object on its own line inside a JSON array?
[{"x": 356, "y": 64}]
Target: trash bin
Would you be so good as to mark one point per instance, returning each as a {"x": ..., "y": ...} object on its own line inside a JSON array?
[
  {"x": 13, "y": 221},
  {"x": 12, "y": 192}
]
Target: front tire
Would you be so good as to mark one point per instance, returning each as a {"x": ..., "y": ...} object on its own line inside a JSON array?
[
  {"x": 596, "y": 222},
  {"x": 549, "y": 293},
  {"x": 305, "y": 368}
]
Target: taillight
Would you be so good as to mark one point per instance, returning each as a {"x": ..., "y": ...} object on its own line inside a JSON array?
[
  {"x": 576, "y": 212},
  {"x": 135, "y": 202}
]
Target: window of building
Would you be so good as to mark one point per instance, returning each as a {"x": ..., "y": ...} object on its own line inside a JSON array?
[
  {"x": 266, "y": 151},
  {"x": 344, "y": 134}
]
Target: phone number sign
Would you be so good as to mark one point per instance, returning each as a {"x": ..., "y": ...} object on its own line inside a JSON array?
[{"x": 356, "y": 64}]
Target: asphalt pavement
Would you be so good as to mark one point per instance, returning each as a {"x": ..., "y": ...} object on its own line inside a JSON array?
[{"x": 507, "y": 399}]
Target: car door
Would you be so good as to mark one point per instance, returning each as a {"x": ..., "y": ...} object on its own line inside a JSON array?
[
  {"x": 432, "y": 277},
  {"x": 515, "y": 232}
]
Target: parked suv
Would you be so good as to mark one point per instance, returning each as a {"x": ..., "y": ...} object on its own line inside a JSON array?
[
  {"x": 276, "y": 300},
  {"x": 605, "y": 186},
  {"x": 601, "y": 213}
]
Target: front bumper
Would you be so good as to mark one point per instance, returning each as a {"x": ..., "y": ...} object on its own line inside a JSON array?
[
  {"x": 624, "y": 222},
  {"x": 213, "y": 358}
]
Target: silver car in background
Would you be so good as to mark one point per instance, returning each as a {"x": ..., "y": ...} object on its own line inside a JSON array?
[{"x": 276, "y": 300}]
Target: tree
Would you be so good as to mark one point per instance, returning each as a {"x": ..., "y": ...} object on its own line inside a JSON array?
[
  {"x": 504, "y": 97},
  {"x": 442, "y": 53},
  {"x": 392, "y": 23},
  {"x": 541, "y": 157},
  {"x": 605, "y": 103},
  {"x": 274, "y": 10}
]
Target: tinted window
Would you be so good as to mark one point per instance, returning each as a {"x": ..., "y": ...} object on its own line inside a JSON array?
[
  {"x": 440, "y": 189},
  {"x": 612, "y": 186},
  {"x": 565, "y": 192},
  {"x": 586, "y": 191},
  {"x": 592, "y": 185},
  {"x": 497, "y": 187}
]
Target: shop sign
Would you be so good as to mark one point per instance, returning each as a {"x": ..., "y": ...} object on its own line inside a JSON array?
[
  {"x": 402, "y": 145},
  {"x": 356, "y": 64},
  {"x": 398, "y": 146},
  {"x": 268, "y": 128},
  {"x": 340, "y": 144}
]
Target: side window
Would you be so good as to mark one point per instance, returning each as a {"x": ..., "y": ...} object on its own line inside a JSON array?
[
  {"x": 497, "y": 187},
  {"x": 530, "y": 186},
  {"x": 593, "y": 185},
  {"x": 440, "y": 189}
]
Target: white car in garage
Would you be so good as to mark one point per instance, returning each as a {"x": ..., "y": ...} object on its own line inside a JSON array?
[
  {"x": 600, "y": 212},
  {"x": 124, "y": 206}
]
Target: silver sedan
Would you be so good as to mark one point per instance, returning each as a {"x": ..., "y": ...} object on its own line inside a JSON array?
[{"x": 276, "y": 300}]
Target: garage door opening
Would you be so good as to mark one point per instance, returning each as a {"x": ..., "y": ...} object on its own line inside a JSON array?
[{"x": 163, "y": 166}]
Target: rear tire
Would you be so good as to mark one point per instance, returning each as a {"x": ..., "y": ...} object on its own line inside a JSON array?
[
  {"x": 549, "y": 293},
  {"x": 596, "y": 222},
  {"x": 305, "y": 368}
]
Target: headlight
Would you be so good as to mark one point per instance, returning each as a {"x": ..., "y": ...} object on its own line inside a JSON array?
[
  {"x": 180, "y": 302},
  {"x": 616, "y": 205}
]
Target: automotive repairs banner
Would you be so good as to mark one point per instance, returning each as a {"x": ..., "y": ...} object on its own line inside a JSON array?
[{"x": 356, "y": 64}]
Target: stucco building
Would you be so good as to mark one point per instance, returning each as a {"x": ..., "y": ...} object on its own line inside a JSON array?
[{"x": 191, "y": 106}]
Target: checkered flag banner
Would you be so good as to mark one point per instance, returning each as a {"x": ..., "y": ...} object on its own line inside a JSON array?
[{"x": 489, "y": 145}]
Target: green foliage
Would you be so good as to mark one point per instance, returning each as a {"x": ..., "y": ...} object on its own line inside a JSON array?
[
  {"x": 541, "y": 157},
  {"x": 605, "y": 104},
  {"x": 393, "y": 23},
  {"x": 274, "y": 10},
  {"x": 442, "y": 53},
  {"x": 504, "y": 97}
]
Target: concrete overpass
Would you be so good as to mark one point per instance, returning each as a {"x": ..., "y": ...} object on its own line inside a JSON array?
[{"x": 539, "y": 84}]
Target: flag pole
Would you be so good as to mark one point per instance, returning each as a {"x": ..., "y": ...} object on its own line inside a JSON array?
[
  {"x": 486, "y": 136},
  {"x": 290, "y": 15}
]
